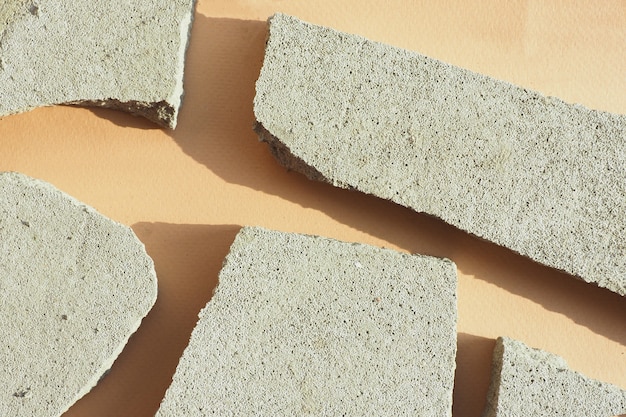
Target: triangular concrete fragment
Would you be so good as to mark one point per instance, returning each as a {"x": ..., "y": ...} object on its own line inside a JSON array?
[
  {"x": 544, "y": 178},
  {"x": 531, "y": 382},
  {"x": 303, "y": 325},
  {"x": 126, "y": 55},
  {"x": 74, "y": 286}
]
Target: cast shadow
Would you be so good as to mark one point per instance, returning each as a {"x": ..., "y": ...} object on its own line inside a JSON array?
[
  {"x": 123, "y": 119},
  {"x": 215, "y": 128},
  {"x": 187, "y": 260},
  {"x": 472, "y": 375},
  {"x": 216, "y": 119},
  {"x": 598, "y": 309}
]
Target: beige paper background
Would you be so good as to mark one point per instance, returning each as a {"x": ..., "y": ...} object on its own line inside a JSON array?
[{"x": 187, "y": 192}]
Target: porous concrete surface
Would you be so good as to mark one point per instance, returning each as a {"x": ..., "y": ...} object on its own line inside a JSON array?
[
  {"x": 127, "y": 55},
  {"x": 304, "y": 325},
  {"x": 532, "y": 382},
  {"x": 542, "y": 177},
  {"x": 74, "y": 286}
]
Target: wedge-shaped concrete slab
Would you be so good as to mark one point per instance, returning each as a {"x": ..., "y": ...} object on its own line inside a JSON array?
[
  {"x": 74, "y": 286},
  {"x": 127, "y": 55},
  {"x": 532, "y": 382},
  {"x": 303, "y": 325},
  {"x": 539, "y": 176}
]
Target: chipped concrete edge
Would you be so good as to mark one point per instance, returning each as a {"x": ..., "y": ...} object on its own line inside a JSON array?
[
  {"x": 493, "y": 393},
  {"x": 286, "y": 158},
  {"x": 165, "y": 112}
]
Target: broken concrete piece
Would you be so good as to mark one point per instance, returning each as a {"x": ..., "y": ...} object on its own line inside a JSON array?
[
  {"x": 531, "y": 382},
  {"x": 74, "y": 286},
  {"x": 307, "y": 325},
  {"x": 117, "y": 54},
  {"x": 539, "y": 176}
]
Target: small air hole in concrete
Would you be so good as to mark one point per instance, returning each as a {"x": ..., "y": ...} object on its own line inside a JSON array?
[{"x": 22, "y": 393}]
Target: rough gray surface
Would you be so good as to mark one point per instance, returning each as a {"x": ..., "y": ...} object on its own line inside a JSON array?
[
  {"x": 544, "y": 178},
  {"x": 303, "y": 325},
  {"x": 74, "y": 286},
  {"x": 531, "y": 382},
  {"x": 127, "y": 55}
]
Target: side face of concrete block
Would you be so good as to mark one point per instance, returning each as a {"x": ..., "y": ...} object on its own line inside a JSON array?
[
  {"x": 74, "y": 286},
  {"x": 531, "y": 382},
  {"x": 539, "y": 176},
  {"x": 303, "y": 325},
  {"x": 118, "y": 54}
]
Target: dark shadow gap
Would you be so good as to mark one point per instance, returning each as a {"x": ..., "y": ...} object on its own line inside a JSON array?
[
  {"x": 123, "y": 119},
  {"x": 472, "y": 375}
]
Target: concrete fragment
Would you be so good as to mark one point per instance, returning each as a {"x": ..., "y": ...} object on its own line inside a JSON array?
[
  {"x": 303, "y": 325},
  {"x": 74, "y": 286},
  {"x": 531, "y": 382},
  {"x": 544, "y": 178},
  {"x": 118, "y": 54}
]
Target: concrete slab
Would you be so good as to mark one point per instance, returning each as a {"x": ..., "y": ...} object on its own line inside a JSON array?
[
  {"x": 544, "y": 178},
  {"x": 74, "y": 286},
  {"x": 308, "y": 325},
  {"x": 532, "y": 382},
  {"x": 118, "y": 54}
]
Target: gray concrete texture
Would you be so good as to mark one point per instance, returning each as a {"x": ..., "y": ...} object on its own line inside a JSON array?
[
  {"x": 127, "y": 55},
  {"x": 544, "y": 178},
  {"x": 303, "y": 325},
  {"x": 74, "y": 286},
  {"x": 532, "y": 382}
]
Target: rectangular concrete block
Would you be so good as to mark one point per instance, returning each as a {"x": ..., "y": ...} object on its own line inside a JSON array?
[
  {"x": 542, "y": 177},
  {"x": 532, "y": 382},
  {"x": 304, "y": 325},
  {"x": 127, "y": 55}
]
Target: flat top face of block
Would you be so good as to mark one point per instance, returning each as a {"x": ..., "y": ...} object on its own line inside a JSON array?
[
  {"x": 74, "y": 286},
  {"x": 537, "y": 175},
  {"x": 532, "y": 382},
  {"x": 129, "y": 53},
  {"x": 307, "y": 325}
]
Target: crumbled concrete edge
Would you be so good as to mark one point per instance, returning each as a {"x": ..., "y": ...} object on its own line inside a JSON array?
[
  {"x": 287, "y": 159},
  {"x": 541, "y": 177},
  {"x": 161, "y": 113},
  {"x": 160, "y": 106},
  {"x": 302, "y": 324},
  {"x": 531, "y": 382},
  {"x": 112, "y": 339}
]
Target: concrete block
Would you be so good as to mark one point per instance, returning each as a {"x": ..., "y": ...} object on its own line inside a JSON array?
[
  {"x": 74, "y": 286},
  {"x": 531, "y": 382},
  {"x": 126, "y": 55},
  {"x": 544, "y": 178},
  {"x": 303, "y": 325}
]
